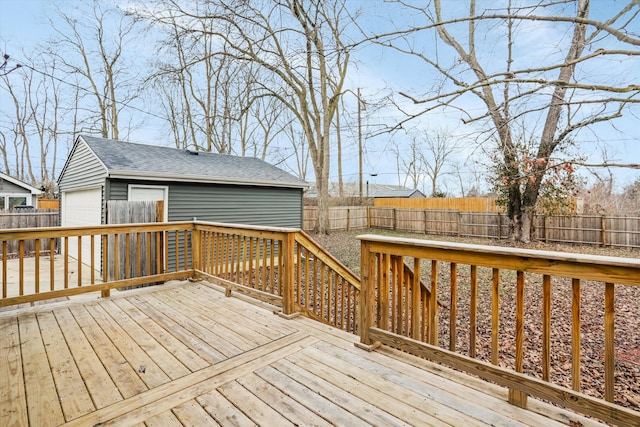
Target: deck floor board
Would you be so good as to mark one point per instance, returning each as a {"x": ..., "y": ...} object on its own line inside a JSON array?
[{"x": 184, "y": 354}]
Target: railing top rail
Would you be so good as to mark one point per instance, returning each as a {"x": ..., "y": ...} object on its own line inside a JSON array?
[
  {"x": 502, "y": 250},
  {"x": 565, "y": 264},
  {"x": 246, "y": 227},
  {"x": 45, "y": 232}
]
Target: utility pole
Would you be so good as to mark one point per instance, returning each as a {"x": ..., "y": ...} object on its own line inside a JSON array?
[{"x": 360, "y": 140}]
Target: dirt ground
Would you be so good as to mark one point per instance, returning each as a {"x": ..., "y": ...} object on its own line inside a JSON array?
[{"x": 346, "y": 247}]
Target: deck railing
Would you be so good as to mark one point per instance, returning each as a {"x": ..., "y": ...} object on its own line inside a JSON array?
[
  {"x": 69, "y": 261},
  {"x": 284, "y": 267},
  {"x": 409, "y": 289},
  {"x": 519, "y": 288},
  {"x": 281, "y": 266}
]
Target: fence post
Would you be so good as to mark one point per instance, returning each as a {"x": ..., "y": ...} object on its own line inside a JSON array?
[
  {"x": 603, "y": 227},
  {"x": 546, "y": 229},
  {"x": 368, "y": 217},
  {"x": 348, "y": 211},
  {"x": 459, "y": 223},
  {"x": 395, "y": 225},
  {"x": 366, "y": 315},
  {"x": 425, "y": 221}
]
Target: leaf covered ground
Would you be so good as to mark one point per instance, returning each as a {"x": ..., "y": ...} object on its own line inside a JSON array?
[{"x": 346, "y": 247}]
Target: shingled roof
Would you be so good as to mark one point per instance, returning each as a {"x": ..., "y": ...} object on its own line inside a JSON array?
[{"x": 141, "y": 161}]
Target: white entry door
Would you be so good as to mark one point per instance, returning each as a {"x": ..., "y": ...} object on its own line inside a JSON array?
[{"x": 139, "y": 193}]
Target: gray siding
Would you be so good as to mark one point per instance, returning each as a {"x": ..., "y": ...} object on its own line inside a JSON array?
[
  {"x": 83, "y": 170},
  {"x": 268, "y": 206},
  {"x": 7, "y": 187}
]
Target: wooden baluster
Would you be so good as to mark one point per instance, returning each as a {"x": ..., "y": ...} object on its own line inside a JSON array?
[
  {"x": 546, "y": 327},
  {"x": 66, "y": 262},
  {"x": 473, "y": 311},
  {"x": 138, "y": 252},
  {"x": 149, "y": 270},
  {"x": 406, "y": 289},
  {"x": 415, "y": 300},
  {"x": 5, "y": 259},
  {"x": 322, "y": 289},
  {"x": 314, "y": 286},
  {"x": 280, "y": 276},
  {"x": 394, "y": 293},
  {"x": 609, "y": 337},
  {"x": 453, "y": 303},
  {"x": 299, "y": 274},
  {"x": 52, "y": 249},
  {"x": 575, "y": 334},
  {"x": 287, "y": 256},
  {"x": 252, "y": 264},
  {"x": 37, "y": 266},
  {"x": 79, "y": 260},
  {"x": 433, "y": 305},
  {"x": 185, "y": 247},
  {"x": 177, "y": 249},
  {"x": 239, "y": 263},
  {"x": 383, "y": 292},
  {"x": 264, "y": 265},
  {"x": 21, "y": 266},
  {"x": 517, "y": 397},
  {"x": 105, "y": 263},
  {"x": 272, "y": 267},
  {"x": 127, "y": 257},
  {"x": 495, "y": 315},
  {"x": 93, "y": 259},
  {"x": 307, "y": 273},
  {"x": 116, "y": 257},
  {"x": 344, "y": 312}
]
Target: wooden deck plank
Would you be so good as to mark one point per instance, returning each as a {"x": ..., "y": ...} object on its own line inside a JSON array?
[
  {"x": 183, "y": 389},
  {"x": 238, "y": 336},
  {"x": 223, "y": 411},
  {"x": 164, "y": 419},
  {"x": 313, "y": 375},
  {"x": 182, "y": 352},
  {"x": 123, "y": 375},
  {"x": 294, "y": 411},
  {"x": 103, "y": 390},
  {"x": 251, "y": 405},
  {"x": 72, "y": 391},
  {"x": 146, "y": 367},
  {"x": 334, "y": 408},
  {"x": 190, "y": 413},
  {"x": 42, "y": 399},
  {"x": 169, "y": 364},
  {"x": 248, "y": 314},
  {"x": 178, "y": 330},
  {"x": 13, "y": 399},
  {"x": 389, "y": 403},
  {"x": 197, "y": 325},
  {"x": 438, "y": 393}
]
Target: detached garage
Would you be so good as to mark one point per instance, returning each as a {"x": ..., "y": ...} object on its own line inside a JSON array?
[{"x": 207, "y": 186}]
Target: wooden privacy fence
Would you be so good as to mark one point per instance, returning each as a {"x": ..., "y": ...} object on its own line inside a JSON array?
[
  {"x": 395, "y": 311},
  {"x": 28, "y": 220},
  {"x": 580, "y": 229}
]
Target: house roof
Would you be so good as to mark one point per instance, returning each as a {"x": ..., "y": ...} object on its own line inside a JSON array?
[
  {"x": 31, "y": 189},
  {"x": 140, "y": 161},
  {"x": 352, "y": 189}
]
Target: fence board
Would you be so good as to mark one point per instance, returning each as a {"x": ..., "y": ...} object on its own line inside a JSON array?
[
  {"x": 579, "y": 229},
  {"x": 128, "y": 212},
  {"x": 36, "y": 219}
]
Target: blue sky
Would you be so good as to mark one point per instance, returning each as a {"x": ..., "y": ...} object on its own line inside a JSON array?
[{"x": 23, "y": 23}]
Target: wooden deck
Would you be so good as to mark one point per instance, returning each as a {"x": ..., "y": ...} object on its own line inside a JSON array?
[{"x": 184, "y": 354}]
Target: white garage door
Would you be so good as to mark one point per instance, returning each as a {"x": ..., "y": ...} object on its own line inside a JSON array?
[{"x": 83, "y": 208}]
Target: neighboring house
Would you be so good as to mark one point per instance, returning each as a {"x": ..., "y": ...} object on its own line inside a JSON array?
[
  {"x": 206, "y": 186},
  {"x": 351, "y": 189},
  {"x": 14, "y": 192}
]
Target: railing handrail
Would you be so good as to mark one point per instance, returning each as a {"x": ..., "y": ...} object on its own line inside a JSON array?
[
  {"x": 45, "y": 232},
  {"x": 319, "y": 251},
  {"x": 582, "y": 266}
]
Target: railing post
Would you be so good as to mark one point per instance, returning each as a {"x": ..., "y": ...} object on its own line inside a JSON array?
[
  {"x": 367, "y": 298},
  {"x": 196, "y": 252},
  {"x": 288, "y": 268}
]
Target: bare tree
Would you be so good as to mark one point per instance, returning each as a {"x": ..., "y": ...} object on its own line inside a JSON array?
[
  {"x": 298, "y": 47},
  {"x": 91, "y": 48},
  {"x": 559, "y": 94}
]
